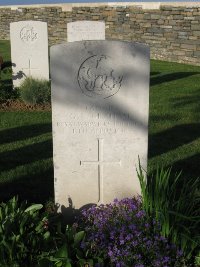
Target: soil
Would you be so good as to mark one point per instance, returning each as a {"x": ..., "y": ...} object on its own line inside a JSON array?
[{"x": 17, "y": 105}]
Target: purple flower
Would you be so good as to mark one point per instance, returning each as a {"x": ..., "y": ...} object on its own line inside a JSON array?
[
  {"x": 140, "y": 214},
  {"x": 126, "y": 236}
]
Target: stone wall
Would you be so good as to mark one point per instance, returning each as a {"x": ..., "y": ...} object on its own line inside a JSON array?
[{"x": 172, "y": 31}]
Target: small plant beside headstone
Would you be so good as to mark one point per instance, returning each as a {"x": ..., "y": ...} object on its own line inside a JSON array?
[{"x": 35, "y": 91}]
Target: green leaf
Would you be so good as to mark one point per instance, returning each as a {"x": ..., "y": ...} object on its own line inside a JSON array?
[
  {"x": 67, "y": 264},
  {"x": 62, "y": 252},
  {"x": 78, "y": 237},
  {"x": 34, "y": 208},
  {"x": 59, "y": 264},
  {"x": 79, "y": 254},
  {"x": 47, "y": 235}
]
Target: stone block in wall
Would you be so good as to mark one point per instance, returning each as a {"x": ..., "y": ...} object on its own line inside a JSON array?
[
  {"x": 178, "y": 52},
  {"x": 197, "y": 53},
  {"x": 179, "y": 17},
  {"x": 155, "y": 30},
  {"x": 155, "y": 16},
  {"x": 195, "y": 27},
  {"x": 147, "y": 16},
  {"x": 196, "y": 33},
  {"x": 188, "y": 46},
  {"x": 189, "y": 18}
]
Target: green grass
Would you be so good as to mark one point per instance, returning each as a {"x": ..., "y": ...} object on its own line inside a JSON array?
[
  {"x": 26, "y": 165},
  {"x": 174, "y": 122},
  {"x": 5, "y": 50}
]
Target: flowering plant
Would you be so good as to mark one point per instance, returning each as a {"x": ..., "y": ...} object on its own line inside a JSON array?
[{"x": 123, "y": 234}]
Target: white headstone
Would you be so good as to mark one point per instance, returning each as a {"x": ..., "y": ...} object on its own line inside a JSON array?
[
  {"x": 100, "y": 100},
  {"x": 29, "y": 50},
  {"x": 85, "y": 30}
]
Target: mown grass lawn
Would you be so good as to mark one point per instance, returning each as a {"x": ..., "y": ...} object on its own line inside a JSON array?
[
  {"x": 26, "y": 166},
  {"x": 174, "y": 122}
]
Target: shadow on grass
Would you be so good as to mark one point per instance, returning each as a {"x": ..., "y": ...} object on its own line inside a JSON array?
[
  {"x": 172, "y": 138},
  {"x": 24, "y": 132},
  {"x": 36, "y": 188},
  {"x": 190, "y": 167},
  {"x": 152, "y": 73},
  {"x": 25, "y": 155},
  {"x": 191, "y": 101},
  {"x": 161, "y": 117},
  {"x": 170, "y": 77}
]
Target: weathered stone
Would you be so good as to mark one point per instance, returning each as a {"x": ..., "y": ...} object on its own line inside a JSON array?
[
  {"x": 189, "y": 18},
  {"x": 85, "y": 30},
  {"x": 178, "y": 52},
  {"x": 57, "y": 20},
  {"x": 100, "y": 119},
  {"x": 155, "y": 16},
  {"x": 196, "y": 33},
  {"x": 197, "y": 53},
  {"x": 178, "y": 17},
  {"x": 188, "y": 46}
]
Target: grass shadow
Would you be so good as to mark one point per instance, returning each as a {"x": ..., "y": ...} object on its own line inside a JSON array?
[
  {"x": 152, "y": 73},
  {"x": 190, "y": 167},
  {"x": 190, "y": 100},
  {"x": 36, "y": 188},
  {"x": 172, "y": 138},
  {"x": 24, "y": 132},
  {"x": 25, "y": 155},
  {"x": 162, "y": 78}
]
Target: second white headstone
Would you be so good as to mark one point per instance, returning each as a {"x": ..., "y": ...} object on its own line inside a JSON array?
[
  {"x": 85, "y": 30},
  {"x": 29, "y": 50}
]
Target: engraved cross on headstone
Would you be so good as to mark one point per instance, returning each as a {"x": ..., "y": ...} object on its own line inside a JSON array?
[
  {"x": 29, "y": 68},
  {"x": 100, "y": 162}
]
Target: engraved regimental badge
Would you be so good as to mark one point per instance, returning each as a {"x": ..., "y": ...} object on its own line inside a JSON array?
[
  {"x": 28, "y": 34},
  {"x": 98, "y": 78}
]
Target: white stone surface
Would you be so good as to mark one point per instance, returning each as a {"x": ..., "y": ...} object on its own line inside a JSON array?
[
  {"x": 100, "y": 102},
  {"x": 85, "y": 30},
  {"x": 29, "y": 50}
]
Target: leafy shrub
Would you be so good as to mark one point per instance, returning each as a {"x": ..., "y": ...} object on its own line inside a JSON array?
[
  {"x": 176, "y": 204},
  {"x": 35, "y": 91},
  {"x": 23, "y": 233},
  {"x": 197, "y": 259},
  {"x": 67, "y": 250},
  {"x": 30, "y": 237},
  {"x": 7, "y": 92},
  {"x": 123, "y": 234},
  {"x": 6, "y": 87}
]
